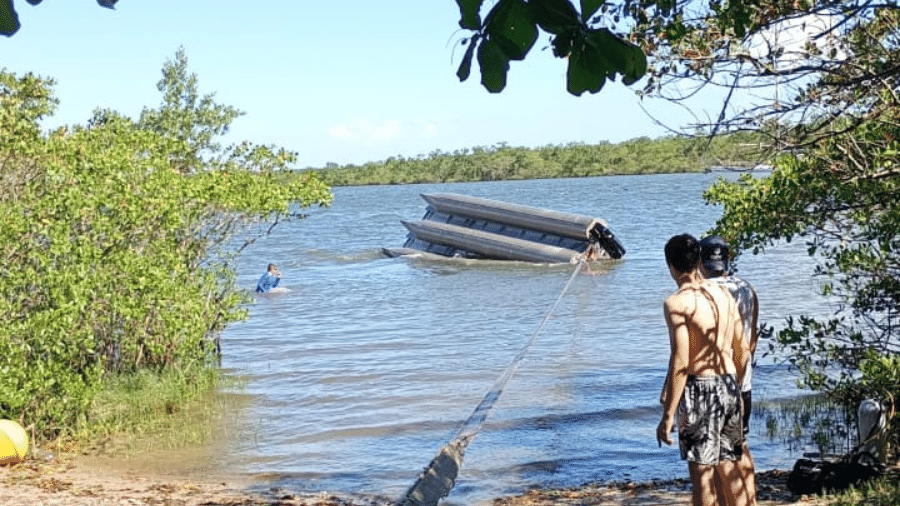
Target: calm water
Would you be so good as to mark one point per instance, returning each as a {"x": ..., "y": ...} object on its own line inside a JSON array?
[{"x": 369, "y": 365}]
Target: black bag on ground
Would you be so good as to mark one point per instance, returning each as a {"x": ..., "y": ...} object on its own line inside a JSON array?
[{"x": 816, "y": 476}]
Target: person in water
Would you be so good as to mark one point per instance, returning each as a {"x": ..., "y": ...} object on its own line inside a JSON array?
[
  {"x": 714, "y": 266},
  {"x": 706, "y": 366},
  {"x": 269, "y": 279}
]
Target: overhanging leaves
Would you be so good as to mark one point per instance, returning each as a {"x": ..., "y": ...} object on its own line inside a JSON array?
[
  {"x": 494, "y": 65},
  {"x": 589, "y": 7},
  {"x": 465, "y": 68},
  {"x": 599, "y": 55},
  {"x": 585, "y": 72},
  {"x": 9, "y": 20},
  {"x": 555, "y": 16},
  {"x": 470, "y": 14},
  {"x": 626, "y": 58},
  {"x": 512, "y": 27}
]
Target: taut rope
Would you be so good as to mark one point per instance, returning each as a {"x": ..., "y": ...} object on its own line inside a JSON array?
[{"x": 436, "y": 480}]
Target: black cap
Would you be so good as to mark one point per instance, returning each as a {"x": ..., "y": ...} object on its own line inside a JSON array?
[{"x": 714, "y": 253}]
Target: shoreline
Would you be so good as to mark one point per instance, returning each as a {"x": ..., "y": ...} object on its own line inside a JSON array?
[{"x": 79, "y": 481}]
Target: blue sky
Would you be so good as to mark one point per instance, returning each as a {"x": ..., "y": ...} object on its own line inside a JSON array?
[{"x": 342, "y": 82}]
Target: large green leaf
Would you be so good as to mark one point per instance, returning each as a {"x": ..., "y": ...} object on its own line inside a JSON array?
[
  {"x": 465, "y": 68},
  {"x": 589, "y": 7},
  {"x": 638, "y": 64},
  {"x": 510, "y": 24},
  {"x": 621, "y": 56},
  {"x": 587, "y": 70},
  {"x": 562, "y": 43},
  {"x": 555, "y": 16},
  {"x": 494, "y": 65},
  {"x": 470, "y": 14},
  {"x": 599, "y": 55},
  {"x": 9, "y": 20}
]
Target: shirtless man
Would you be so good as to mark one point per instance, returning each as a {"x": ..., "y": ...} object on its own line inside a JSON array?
[{"x": 706, "y": 366}]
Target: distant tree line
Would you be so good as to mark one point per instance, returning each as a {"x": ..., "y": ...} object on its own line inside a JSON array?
[{"x": 643, "y": 155}]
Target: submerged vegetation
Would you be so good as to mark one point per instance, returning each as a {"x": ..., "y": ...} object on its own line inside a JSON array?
[{"x": 810, "y": 423}]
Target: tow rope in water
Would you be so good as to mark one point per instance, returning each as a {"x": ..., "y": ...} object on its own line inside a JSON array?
[{"x": 438, "y": 478}]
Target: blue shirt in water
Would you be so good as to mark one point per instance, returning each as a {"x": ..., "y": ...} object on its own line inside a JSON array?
[{"x": 267, "y": 282}]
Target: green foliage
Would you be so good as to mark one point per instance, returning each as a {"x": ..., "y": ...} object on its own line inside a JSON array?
[
  {"x": 851, "y": 224},
  {"x": 836, "y": 188},
  {"x": 114, "y": 259},
  {"x": 637, "y": 156},
  {"x": 184, "y": 118},
  {"x": 511, "y": 28},
  {"x": 848, "y": 215},
  {"x": 603, "y": 40},
  {"x": 144, "y": 402},
  {"x": 884, "y": 491}
]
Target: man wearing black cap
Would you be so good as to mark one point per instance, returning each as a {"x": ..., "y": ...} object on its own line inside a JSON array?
[{"x": 714, "y": 257}]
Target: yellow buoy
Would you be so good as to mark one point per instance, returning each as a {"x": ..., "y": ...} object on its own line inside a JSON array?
[{"x": 13, "y": 442}]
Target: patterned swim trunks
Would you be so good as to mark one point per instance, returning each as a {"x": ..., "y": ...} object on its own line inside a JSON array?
[{"x": 710, "y": 428}]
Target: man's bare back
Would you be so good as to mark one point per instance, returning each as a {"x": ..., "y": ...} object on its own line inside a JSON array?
[{"x": 696, "y": 309}]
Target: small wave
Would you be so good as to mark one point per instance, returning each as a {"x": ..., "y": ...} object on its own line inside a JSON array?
[{"x": 274, "y": 291}]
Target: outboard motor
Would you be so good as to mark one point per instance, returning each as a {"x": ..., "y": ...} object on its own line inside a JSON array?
[{"x": 605, "y": 238}]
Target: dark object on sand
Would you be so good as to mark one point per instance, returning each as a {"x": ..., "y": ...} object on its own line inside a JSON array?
[
  {"x": 436, "y": 480},
  {"x": 818, "y": 476}
]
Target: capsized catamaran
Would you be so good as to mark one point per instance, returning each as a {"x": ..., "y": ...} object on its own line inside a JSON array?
[{"x": 469, "y": 227}]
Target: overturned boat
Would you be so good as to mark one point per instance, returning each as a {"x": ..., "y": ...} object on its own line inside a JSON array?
[{"x": 470, "y": 227}]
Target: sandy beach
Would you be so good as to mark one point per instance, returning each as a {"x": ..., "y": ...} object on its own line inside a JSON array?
[{"x": 79, "y": 481}]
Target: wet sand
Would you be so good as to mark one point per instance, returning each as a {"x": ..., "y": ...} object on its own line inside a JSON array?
[{"x": 76, "y": 481}]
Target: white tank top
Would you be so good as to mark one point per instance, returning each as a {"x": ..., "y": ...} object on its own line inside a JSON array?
[{"x": 743, "y": 295}]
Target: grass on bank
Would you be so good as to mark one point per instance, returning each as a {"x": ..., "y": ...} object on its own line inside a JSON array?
[
  {"x": 158, "y": 411},
  {"x": 884, "y": 491}
]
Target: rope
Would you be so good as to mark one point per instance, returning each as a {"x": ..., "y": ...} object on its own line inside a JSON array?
[
  {"x": 438, "y": 478},
  {"x": 478, "y": 416}
]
